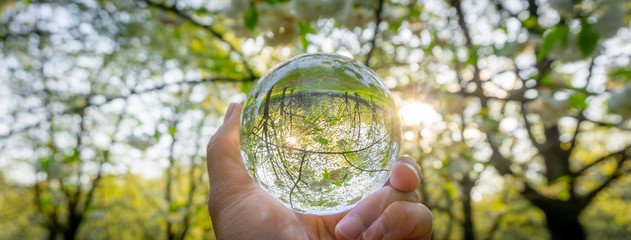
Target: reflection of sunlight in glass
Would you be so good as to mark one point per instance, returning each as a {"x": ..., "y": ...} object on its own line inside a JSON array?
[
  {"x": 291, "y": 140},
  {"x": 414, "y": 113}
]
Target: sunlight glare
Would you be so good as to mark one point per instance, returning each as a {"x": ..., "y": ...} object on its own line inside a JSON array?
[
  {"x": 292, "y": 140},
  {"x": 415, "y": 113}
]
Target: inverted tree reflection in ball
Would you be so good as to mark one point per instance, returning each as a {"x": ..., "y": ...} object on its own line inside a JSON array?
[{"x": 319, "y": 132}]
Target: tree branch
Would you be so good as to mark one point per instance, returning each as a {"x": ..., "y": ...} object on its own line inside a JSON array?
[
  {"x": 106, "y": 159},
  {"x": 373, "y": 41},
  {"x": 585, "y": 200},
  {"x": 461, "y": 22},
  {"x": 602, "y": 159},
  {"x": 580, "y": 117},
  {"x": 192, "y": 185},
  {"x": 533, "y": 28},
  {"x": 532, "y": 8},
  {"x": 169, "y": 179},
  {"x": 209, "y": 28},
  {"x": 164, "y": 85},
  {"x": 480, "y": 94},
  {"x": 606, "y": 124},
  {"x": 502, "y": 165},
  {"x": 528, "y": 127},
  {"x": 134, "y": 92}
]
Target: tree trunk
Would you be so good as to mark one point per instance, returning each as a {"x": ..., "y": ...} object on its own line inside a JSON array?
[
  {"x": 468, "y": 218},
  {"x": 564, "y": 224},
  {"x": 52, "y": 233},
  {"x": 467, "y": 224},
  {"x": 74, "y": 222},
  {"x": 561, "y": 216}
]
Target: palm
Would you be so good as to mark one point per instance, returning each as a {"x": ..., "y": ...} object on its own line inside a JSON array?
[{"x": 262, "y": 211}]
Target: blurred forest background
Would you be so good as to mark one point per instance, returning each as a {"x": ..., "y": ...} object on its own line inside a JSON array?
[{"x": 519, "y": 111}]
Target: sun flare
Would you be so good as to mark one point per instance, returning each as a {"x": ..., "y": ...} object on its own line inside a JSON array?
[{"x": 414, "y": 113}]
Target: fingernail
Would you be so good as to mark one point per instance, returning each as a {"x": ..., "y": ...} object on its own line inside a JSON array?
[
  {"x": 412, "y": 168},
  {"x": 350, "y": 227},
  {"x": 229, "y": 112}
]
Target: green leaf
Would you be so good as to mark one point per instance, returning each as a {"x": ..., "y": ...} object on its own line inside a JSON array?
[
  {"x": 587, "y": 39},
  {"x": 484, "y": 112},
  {"x": 551, "y": 38},
  {"x": 578, "y": 100},
  {"x": 325, "y": 174},
  {"x": 251, "y": 17},
  {"x": 247, "y": 86},
  {"x": 473, "y": 55},
  {"x": 172, "y": 130},
  {"x": 623, "y": 73},
  {"x": 450, "y": 188},
  {"x": 563, "y": 195},
  {"x": 177, "y": 34},
  {"x": 46, "y": 201},
  {"x": 322, "y": 140},
  {"x": 530, "y": 22},
  {"x": 43, "y": 164},
  {"x": 72, "y": 158},
  {"x": 157, "y": 135},
  {"x": 546, "y": 80},
  {"x": 394, "y": 26},
  {"x": 305, "y": 28}
]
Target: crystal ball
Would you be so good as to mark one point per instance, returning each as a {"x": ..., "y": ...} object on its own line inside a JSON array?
[{"x": 320, "y": 132}]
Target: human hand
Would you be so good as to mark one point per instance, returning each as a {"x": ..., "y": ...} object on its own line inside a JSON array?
[{"x": 240, "y": 209}]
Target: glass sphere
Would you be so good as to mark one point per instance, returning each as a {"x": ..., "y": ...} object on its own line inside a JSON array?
[{"x": 320, "y": 132}]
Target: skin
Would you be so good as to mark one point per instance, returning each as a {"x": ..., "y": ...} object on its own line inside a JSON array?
[{"x": 240, "y": 209}]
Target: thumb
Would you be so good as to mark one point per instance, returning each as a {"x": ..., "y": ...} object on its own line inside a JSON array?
[{"x": 225, "y": 168}]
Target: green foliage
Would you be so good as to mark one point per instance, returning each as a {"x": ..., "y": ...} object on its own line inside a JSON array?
[
  {"x": 247, "y": 86},
  {"x": 578, "y": 100},
  {"x": 622, "y": 74},
  {"x": 275, "y": 1},
  {"x": 587, "y": 39},
  {"x": 546, "y": 80},
  {"x": 552, "y": 37},
  {"x": 172, "y": 130},
  {"x": 305, "y": 28},
  {"x": 251, "y": 17},
  {"x": 473, "y": 55}
]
